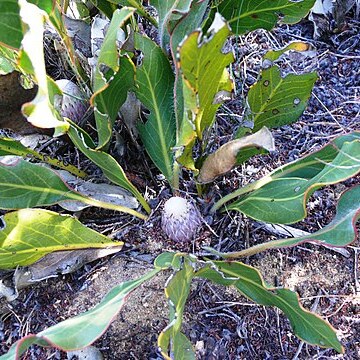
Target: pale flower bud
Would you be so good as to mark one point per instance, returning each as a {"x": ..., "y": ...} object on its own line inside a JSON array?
[
  {"x": 72, "y": 104},
  {"x": 180, "y": 219}
]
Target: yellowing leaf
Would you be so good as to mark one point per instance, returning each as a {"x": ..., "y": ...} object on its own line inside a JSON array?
[
  {"x": 29, "y": 234},
  {"x": 40, "y": 112}
]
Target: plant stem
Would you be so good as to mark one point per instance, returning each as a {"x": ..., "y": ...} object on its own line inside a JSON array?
[
  {"x": 141, "y": 10},
  {"x": 176, "y": 177},
  {"x": 275, "y": 244},
  {"x": 199, "y": 189}
]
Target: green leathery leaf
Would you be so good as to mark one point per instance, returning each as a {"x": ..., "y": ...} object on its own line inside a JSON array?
[
  {"x": 248, "y": 15},
  {"x": 13, "y": 147},
  {"x": 275, "y": 101},
  {"x": 169, "y": 10},
  {"x": 249, "y": 282},
  {"x": 11, "y": 32},
  {"x": 283, "y": 198},
  {"x": 171, "y": 340},
  {"x": 168, "y": 259},
  {"x": 85, "y": 328},
  {"x": 188, "y": 23},
  {"x": 105, "y": 6},
  {"x": 341, "y": 231},
  {"x": 199, "y": 56},
  {"x": 23, "y": 184},
  {"x": 203, "y": 67},
  {"x": 306, "y": 167},
  {"x": 110, "y": 167},
  {"x": 109, "y": 99},
  {"x": 29, "y": 234},
  {"x": 154, "y": 88},
  {"x": 112, "y": 79}
]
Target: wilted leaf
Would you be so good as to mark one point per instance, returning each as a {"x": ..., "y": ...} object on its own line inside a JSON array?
[
  {"x": 171, "y": 340},
  {"x": 102, "y": 192},
  {"x": 130, "y": 113},
  {"x": 84, "y": 328},
  {"x": 24, "y": 185},
  {"x": 323, "y": 7},
  {"x": 59, "y": 262},
  {"x": 273, "y": 55},
  {"x": 112, "y": 79},
  {"x": 225, "y": 158},
  {"x": 248, "y": 281},
  {"x": 275, "y": 101},
  {"x": 281, "y": 196},
  {"x": 306, "y": 167},
  {"x": 154, "y": 88},
  {"x": 248, "y": 15},
  {"x": 29, "y": 234}
]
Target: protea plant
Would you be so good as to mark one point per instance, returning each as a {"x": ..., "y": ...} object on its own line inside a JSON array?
[
  {"x": 72, "y": 103},
  {"x": 180, "y": 219}
]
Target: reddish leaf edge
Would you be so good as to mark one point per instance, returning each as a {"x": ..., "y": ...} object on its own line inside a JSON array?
[
  {"x": 340, "y": 349},
  {"x": 292, "y": 242},
  {"x": 353, "y": 136},
  {"x": 21, "y": 346}
]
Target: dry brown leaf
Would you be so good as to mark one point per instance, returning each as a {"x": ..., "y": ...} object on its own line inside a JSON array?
[
  {"x": 59, "y": 262},
  {"x": 224, "y": 158}
]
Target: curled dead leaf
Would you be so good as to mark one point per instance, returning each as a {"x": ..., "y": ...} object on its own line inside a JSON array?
[{"x": 224, "y": 159}]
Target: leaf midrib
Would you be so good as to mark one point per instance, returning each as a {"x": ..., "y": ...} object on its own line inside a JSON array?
[
  {"x": 246, "y": 14},
  {"x": 159, "y": 125}
]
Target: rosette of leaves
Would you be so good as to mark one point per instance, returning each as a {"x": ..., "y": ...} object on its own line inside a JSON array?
[{"x": 182, "y": 101}]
